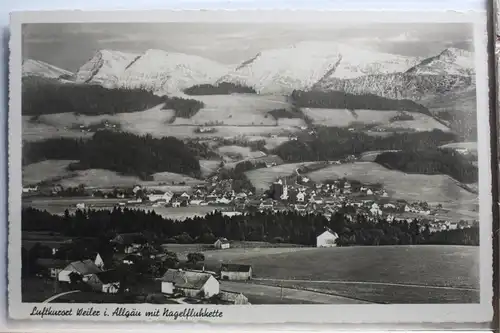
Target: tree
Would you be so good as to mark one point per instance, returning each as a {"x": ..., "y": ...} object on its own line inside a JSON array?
[{"x": 195, "y": 257}]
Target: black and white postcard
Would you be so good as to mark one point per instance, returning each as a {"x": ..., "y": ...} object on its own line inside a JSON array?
[{"x": 306, "y": 166}]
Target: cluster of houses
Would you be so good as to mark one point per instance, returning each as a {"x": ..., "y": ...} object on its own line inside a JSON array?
[{"x": 190, "y": 280}]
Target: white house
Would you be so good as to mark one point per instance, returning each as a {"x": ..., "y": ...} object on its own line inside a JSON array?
[
  {"x": 375, "y": 210},
  {"x": 230, "y": 214},
  {"x": 105, "y": 282},
  {"x": 327, "y": 239},
  {"x": 30, "y": 189},
  {"x": 222, "y": 243},
  {"x": 235, "y": 272},
  {"x": 301, "y": 196},
  {"x": 189, "y": 283},
  {"x": 223, "y": 200},
  {"x": 80, "y": 206},
  {"x": 99, "y": 262},
  {"x": 176, "y": 204},
  {"x": 185, "y": 196},
  {"x": 167, "y": 196},
  {"x": 369, "y": 192},
  {"x": 83, "y": 268}
]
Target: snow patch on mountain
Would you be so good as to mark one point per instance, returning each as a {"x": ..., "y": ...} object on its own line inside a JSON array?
[
  {"x": 39, "y": 68},
  {"x": 105, "y": 67},
  {"x": 452, "y": 61},
  {"x": 302, "y": 65},
  {"x": 168, "y": 72},
  {"x": 399, "y": 85}
]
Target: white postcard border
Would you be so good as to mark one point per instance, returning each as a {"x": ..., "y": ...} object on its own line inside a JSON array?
[{"x": 262, "y": 314}]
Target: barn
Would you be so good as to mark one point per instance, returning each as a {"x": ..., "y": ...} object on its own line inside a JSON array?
[
  {"x": 222, "y": 243},
  {"x": 327, "y": 238},
  {"x": 189, "y": 283},
  {"x": 106, "y": 281},
  {"x": 83, "y": 268},
  {"x": 235, "y": 272}
]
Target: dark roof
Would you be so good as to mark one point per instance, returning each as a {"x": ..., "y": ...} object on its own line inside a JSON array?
[
  {"x": 84, "y": 267},
  {"x": 109, "y": 276},
  {"x": 235, "y": 268},
  {"x": 52, "y": 263},
  {"x": 192, "y": 266},
  {"x": 222, "y": 240},
  {"x": 129, "y": 238},
  {"x": 329, "y": 230},
  {"x": 186, "y": 279}
]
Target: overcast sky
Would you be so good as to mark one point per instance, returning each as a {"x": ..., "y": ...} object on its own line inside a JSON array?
[{"x": 70, "y": 45}]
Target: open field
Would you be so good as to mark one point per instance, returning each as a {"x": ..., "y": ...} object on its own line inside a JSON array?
[
  {"x": 46, "y": 171},
  {"x": 393, "y": 274},
  {"x": 100, "y": 178},
  {"x": 432, "y": 188},
  {"x": 208, "y": 167},
  {"x": 470, "y": 146},
  {"x": 264, "y": 177},
  {"x": 370, "y": 156},
  {"x": 242, "y": 152},
  {"x": 37, "y": 131},
  {"x": 420, "y": 123},
  {"x": 171, "y": 177},
  {"x": 235, "y": 109},
  {"x": 344, "y": 117}
]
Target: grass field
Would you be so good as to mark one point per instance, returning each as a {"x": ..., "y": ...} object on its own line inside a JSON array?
[
  {"x": 242, "y": 152},
  {"x": 370, "y": 156},
  {"x": 46, "y": 171},
  {"x": 235, "y": 109},
  {"x": 395, "y": 274},
  {"x": 38, "y": 131},
  {"x": 434, "y": 188},
  {"x": 262, "y": 178},
  {"x": 100, "y": 178},
  {"x": 470, "y": 146},
  {"x": 420, "y": 123},
  {"x": 208, "y": 167}
]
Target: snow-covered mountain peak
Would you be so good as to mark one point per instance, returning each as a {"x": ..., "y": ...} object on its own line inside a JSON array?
[
  {"x": 39, "y": 68},
  {"x": 303, "y": 64},
  {"x": 165, "y": 72},
  {"x": 105, "y": 67},
  {"x": 451, "y": 61}
]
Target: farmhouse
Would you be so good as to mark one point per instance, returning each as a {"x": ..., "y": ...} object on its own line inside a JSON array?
[
  {"x": 222, "y": 243},
  {"x": 166, "y": 197},
  {"x": 327, "y": 239},
  {"x": 235, "y": 272},
  {"x": 190, "y": 283},
  {"x": 83, "y": 268},
  {"x": 106, "y": 281}
]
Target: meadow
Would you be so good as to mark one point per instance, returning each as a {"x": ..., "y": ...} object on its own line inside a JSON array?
[
  {"x": 49, "y": 170},
  {"x": 393, "y": 274},
  {"x": 264, "y": 177},
  {"x": 400, "y": 185}
]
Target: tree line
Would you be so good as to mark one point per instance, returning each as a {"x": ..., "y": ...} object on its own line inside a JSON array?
[
  {"x": 333, "y": 143},
  {"x": 46, "y": 96},
  {"x": 122, "y": 152},
  {"x": 431, "y": 161},
  {"x": 343, "y": 100},
  {"x": 286, "y": 227},
  {"x": 223, "y": 88}
]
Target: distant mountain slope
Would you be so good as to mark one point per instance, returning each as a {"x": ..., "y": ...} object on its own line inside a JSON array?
[
  {"x": 157, "y": 71},
  {"x": 39, "y": 68},
  {"x": 302, "y": 65},
  {"x": 399, "y": 85},
  {"x": 105, "y": 67},
  {"x": 451, "y": 61}
]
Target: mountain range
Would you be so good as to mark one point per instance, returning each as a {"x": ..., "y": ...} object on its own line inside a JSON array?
[{"x": 302, "y": 66}]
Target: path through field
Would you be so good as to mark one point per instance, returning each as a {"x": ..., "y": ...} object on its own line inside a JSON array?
[
  {"x": 272, "y": 292},
  {"x": 371, "y": 283},
  {"x": 48, "y": 300}
]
